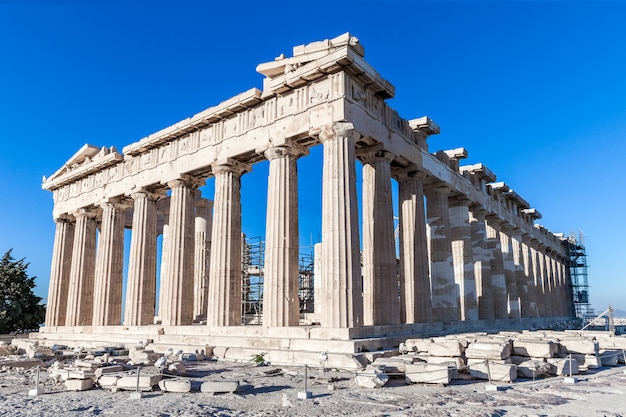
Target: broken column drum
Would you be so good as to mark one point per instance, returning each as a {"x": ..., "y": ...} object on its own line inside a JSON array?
[{"x": 468, "y": 247}]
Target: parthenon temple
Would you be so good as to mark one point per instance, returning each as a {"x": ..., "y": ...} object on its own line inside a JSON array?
[{"x": 466, "y": 253}]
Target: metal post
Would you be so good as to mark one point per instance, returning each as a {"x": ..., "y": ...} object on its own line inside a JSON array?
[
  {"x": 570, "y": 365},
  {"x": 37, "y": 383},
  {"x": 306, "y": 376},
  {"x": 488, "y": 370},
  {"x": 138, "y": 372}
]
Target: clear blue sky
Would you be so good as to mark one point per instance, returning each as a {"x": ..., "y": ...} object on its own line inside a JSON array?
[{"x": 535, "y": 90}]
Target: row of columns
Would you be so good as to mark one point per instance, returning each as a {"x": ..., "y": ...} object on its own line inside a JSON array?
[{"x": 479, "y": 267}]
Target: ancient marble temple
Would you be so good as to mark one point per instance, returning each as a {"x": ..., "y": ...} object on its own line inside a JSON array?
[{"x": 470, "y": 254}]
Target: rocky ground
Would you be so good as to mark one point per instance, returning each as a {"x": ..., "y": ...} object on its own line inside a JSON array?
[{"x": 269, "y": 390}]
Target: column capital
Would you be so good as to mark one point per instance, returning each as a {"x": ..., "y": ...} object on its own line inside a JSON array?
[
  {"x": 460, "y": 200},
  {"x": 64, "y": 218},
  {"x": 339, "y": 129},
  {"x": 117, "y": 202},
  {"x": 285, "y": 150},
  {"x": 143, "y": 193},
  {"x": 230, "y": 165},
  {"x": 83, "y": 212},
  {"x": 186, "y": 181},
  {"x": 375, "y": 153},
  {"x": 479, "y": 210},
  {"x": 438, "y": 186},
  {"x": 408, "y": 172}
]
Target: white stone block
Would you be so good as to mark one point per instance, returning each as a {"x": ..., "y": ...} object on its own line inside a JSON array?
[
  {"x": 108, "y": 370},
  {"x": 482, "y": 350},
  {"x": 371, "y": 377},
  {"x": 563, "y": 366},
  {"x": 108, "y": 381},
  {"x": 446, "y": 348},
  {"x": 78, "y": 384},
  {"x": 501, "y": 372},
  {"x": 427, "y": 373},
  {"x": 533, "y": 369},
  {"x": 587, "y": 361},
  {"x": 175, "y": 385},
  {"x": 578, "y": 345},
  {"x": 418, "y": 345},
  {"x": 393, "y": 365},
  {"x": 535, "y": 348},
  {"x": 610, "y": 357},
  {"x": 146, "y": 383},
  {"x": 214, "y": 387}
]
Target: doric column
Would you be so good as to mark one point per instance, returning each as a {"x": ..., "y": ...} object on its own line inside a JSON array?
[
  {"x": 178, "y": 296},
  {"x": 482, "y": 255},
  {"x": 381, "y": 299},
  {"x": 558, "y": 286},
  {"x": 549, "y": 288},
  {"x": 539, "y": 306},
  {"x": 462, "y": 259},
  {"x": 224, "y": 303},
  {"x": 141, "y": 286},
  {"x": 163, "y": 260},
  {"x": 543, "y": 279},
  {"x": 415, "y": 301},
  {"x": 202, "y": 256},
  {"x": 529, "y": 305},
  {"x": 498, "y": 278},
  {"x": 445, "y": 293},
  {"x": 80, "y": 291},
  {"x": 109, "y": 265},
  {"x": 281, "y": 306},
  {"x": 341, "y": 270},
  {"x": 56, "y": 309},
  {"x": 520, "y": 272},
  {"x": 510, "y": 275}
]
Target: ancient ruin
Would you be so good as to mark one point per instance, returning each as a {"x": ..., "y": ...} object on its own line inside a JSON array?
[{"x": 470, "y": 254}]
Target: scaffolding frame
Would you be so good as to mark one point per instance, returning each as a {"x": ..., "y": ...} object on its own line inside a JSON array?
[
  {"x": 579, "y": 275},
  {"x": 252, "y": 266}
]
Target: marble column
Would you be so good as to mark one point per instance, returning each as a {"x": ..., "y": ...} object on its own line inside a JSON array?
[
  {"x": 549, "y": 288},
  {"x": 80, "y": 291},
  {"x": 60, "y": 272},
  {"x": 445, "y": 292},
  {"x": 558, "y": 287},
  {"x": 462, "y": 258},
  {"x": 162, "y": 280},
  {"x": 520, "y": 273},
  {"x": 178, "y": 296},
  {"x": 224, "y": 303},
  {"x": 537, "y": 279},
  {"x": 341, "y": 269},
  {"x": 109, "y": 265},
  {"x": 543, "y": 278},
  {"x": 281, "y": 306},
  {"x": 482, "y": 255},
  {"x": 202, "y": 256},
  {"x": 141, "y": 286},
  {"x": 529, "y": 304},
  {"x": 498, "y": 277},
  {"x": 510, "y": 274},
  {"x": 381, "y": 298},
  {"x": 415, "y": 301}
]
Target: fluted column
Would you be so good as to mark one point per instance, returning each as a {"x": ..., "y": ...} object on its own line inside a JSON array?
[
  {"x": 281, "y": 306},
  {"x": 520, "y": 272},
  {"x": 80, "y": 291},
  {"x": 462, "y": 259},
  {"x": 178, "y": 296},
  {"x": 56, "y": 308},
  {"x": 202, "y": 256},
  {"x": 539, "y": 308},
  {"x": 224, "y": 303},
  {"x": 529, "y": 305},
  {"x": 549, "y": 277},
  {"x": 381, "y": 299},
  {"x": 445, "y": 292},
  {"x": 341, "y": 270},
  {"x": 510, "y": 275},
  {"x": 109, "y": 265},
  {"x": 141, "y": 286},
  {"x": 545, "y": 284},
  {"x": 498, "y": 278},
  {"x": 482, "y": 255},
  {"x": 415, "y": 301}
]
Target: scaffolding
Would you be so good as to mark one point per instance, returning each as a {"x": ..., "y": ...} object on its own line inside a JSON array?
[
  {"x": 578, "y": 273},
  {"x": 252, "y": 260}
]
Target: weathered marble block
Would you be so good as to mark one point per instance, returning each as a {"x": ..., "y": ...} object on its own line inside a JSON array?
[
  {"x": 500, "y": 372},
  {"x": 482, "y": 350},
  {"x": 610, "y": 357},
  {"x": 535, "y": 348},
  {"x": 215, "y": 387},
  {"x": 587, "y": 361},
  {"x": 563, "y": 366},
  {"x": 396, "y": 364},
  {"x": 533, "y": 368},
  {"x": 146, "y": 383},
  {"x": 418, "y": 345},
  {"x": 584, "y": 346},
  {"x": 427, "y": 373},
  {"x": 175, "y": 385},
  {"x": 445, "y": 348},
  {"x": 78, "y": 384}
]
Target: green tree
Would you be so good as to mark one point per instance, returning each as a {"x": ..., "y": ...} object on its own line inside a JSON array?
[{"x": 20, "y": 308}]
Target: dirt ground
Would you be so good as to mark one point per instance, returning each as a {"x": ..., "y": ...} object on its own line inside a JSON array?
[{"x": 270, "y": 391}]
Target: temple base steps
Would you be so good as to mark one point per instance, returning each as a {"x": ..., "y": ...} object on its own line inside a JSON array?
[{"x": 346, "y": 348}]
